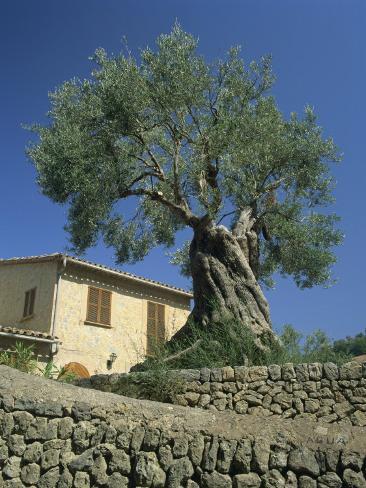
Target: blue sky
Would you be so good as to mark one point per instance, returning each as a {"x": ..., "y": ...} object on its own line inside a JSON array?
[{"x": 318, "y": 50}]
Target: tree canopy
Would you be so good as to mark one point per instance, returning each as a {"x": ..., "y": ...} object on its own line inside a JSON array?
[{"x": 190, "y": 142}]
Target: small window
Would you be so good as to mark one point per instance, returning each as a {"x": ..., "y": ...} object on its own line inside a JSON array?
[
  {"x": 99, "y": 306},
  {"x": 155, "y": 326},
  {"x": 30, "y": 297}
]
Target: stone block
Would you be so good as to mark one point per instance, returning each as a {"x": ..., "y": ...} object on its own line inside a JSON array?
[
  {"x": 302, "y": 460},
  {"x": 250, "y": 480},
  {"x": 350, "y": 371},
  {"x": 288, "y": 372}
]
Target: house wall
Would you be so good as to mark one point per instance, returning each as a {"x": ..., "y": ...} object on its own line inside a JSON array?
[
  {"x": 92, "y": 345},
  {"x": 15, "y": 280}
]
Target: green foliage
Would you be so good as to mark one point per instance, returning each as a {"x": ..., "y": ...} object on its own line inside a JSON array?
[
  {"x": 52, "y": 371},
  {"x": 158, "y": 384},
  {"x": 20, "y": 357},
  {"x": 354, "y": 346},
  {"x": 230, "y": 344},
  {"x": 189, "y": 141}
]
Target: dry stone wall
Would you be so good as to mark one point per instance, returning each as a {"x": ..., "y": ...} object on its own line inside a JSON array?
[
  {"x": 313, "y": 391},
  {"x": 56, "y": 435}
]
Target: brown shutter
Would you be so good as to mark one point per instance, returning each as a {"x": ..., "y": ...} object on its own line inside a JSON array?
[
  {"x": 161, "y": 324},
  {"x": 155, "y": 326},
  {"x": 30, "y": 297},
  {"x": 31, "y": 301},
  {"x": 26, "y": 302},
  {"x": 99, "y": 306},
  {"x": 105, "y": 307},
  {"x": 151, "y": 328},
  {"x": 93, "y": 304}
]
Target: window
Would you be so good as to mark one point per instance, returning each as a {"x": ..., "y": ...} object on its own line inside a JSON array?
[
  {"x": 30, "y": 297},
  {"x": 99, "y": 306},
  {"x": 155, "y": 326}
]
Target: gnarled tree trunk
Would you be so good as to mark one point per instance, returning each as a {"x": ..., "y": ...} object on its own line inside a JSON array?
[{"x": 224, "y": 265}]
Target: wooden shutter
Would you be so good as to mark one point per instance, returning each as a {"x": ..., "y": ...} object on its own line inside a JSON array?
[
  {"x": 105, "y": 307},
  {"x": 160, "y": 324},
  {"x": 30, "y": 297},
  {"x": 150, "y": 346},
  {"x": 31, "y": 301},
  {"x": 26, "y": 302},
  {"x": 99, "y": 306},
  {"x": 155, "y": 326}
]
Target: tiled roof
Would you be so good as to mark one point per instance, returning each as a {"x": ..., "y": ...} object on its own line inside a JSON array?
[
  {"x": 100, "y": 267},
  {"x": 28, "y": 333}
]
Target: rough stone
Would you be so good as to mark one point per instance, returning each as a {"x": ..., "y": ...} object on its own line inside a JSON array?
[
  {"x": 210, "y": 454},
  {"x": 241, "y": 373},
  {"x": 258, "y": 373},
  {"x": 195, "y": 449},
  {"x": 16, "y": 444},
  {"x": 331, "y": 480},
  {"x": 33, "y": 452},
  {"x": 179, "y": 472},
  {"x": 352, "y": 460},
  {"x": 180, "y": 446},
  {"x": 302, "y": 461},
  {"x": 250, "y": 480},
  {"x": 116, "y": 480},
  {"x": 359, "y": 418},
  {"x": 288, "y": 372},
  {"x": 50, "y": 459},
  {"x": 192, "y": 398},
  {"x": 147, "y": 470},
  {"x": 302, "y": 372},
  {"x": 225, "y": 455},
  {"x": 81, "y": 480},
  {"x": 11, "y": 467},
  {"x": 241, "y": 407},
  {"x": 30, "y": 473},
  {"x": 261, "y": 451},
  {"x": 228, "y": 373},
  {"x": 216, "y": 375},
  {"x": 243, "y": 456},
  {"x": 216, "y": 480},
  {"x": 291, "y": 480},
  {"x": 120, "y": 462},
  {"x": 49, "y": 479},
  {"x": 274, "y": 372},
  {"x": 350, "y": 371},
  {"x": 306, "y": 482},
  {"x": 315, "y": 371},
  {"x": 352, "y": 479},
  {"x": 278, "y": 459},
  {"x": 65, "y": 427},
  {"x": 22, "y": 421},
  {"x": 151, "y": 440},
  {"x": 331, "y": 371},
  {"x": 273, "y": 479},
  {"x": 165, "y": 457}
]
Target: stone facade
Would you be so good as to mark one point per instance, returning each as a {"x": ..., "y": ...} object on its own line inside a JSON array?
[
  {"x": 60, "y": 309},
  {"x": 315, "y": 392},
  {"x": 54, "y": 435},
  {"x": 15, "y": 280},
  {"x": 92, "y": 345}
]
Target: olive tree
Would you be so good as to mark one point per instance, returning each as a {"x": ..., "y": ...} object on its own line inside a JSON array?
[{"x": 199, "y": 145}]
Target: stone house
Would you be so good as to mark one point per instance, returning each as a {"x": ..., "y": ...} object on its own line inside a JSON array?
[{"x": 75, "y": 310}]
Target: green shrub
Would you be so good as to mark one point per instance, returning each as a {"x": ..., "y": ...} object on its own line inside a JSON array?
[
  {"x": 157, "y": 384},
  {"x": 228, "y": 343},
  {"x": 20, "y": 357}
]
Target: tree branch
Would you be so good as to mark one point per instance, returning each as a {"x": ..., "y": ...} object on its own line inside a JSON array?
[{"x": 184, "y": 213}]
